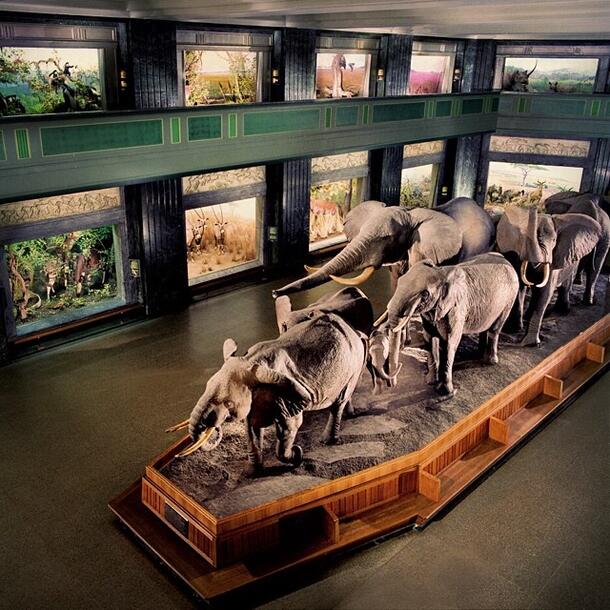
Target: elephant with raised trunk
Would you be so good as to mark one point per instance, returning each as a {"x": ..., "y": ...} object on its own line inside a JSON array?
[
  {"x": 546, "y": 250},
  {"x": 392, "y": 235},
  {"x": 313, "y": 365},
  {"x": 589, "y": 205},
  {"x": 475, "y": 296},
  {"x": 350, "y": 304}
]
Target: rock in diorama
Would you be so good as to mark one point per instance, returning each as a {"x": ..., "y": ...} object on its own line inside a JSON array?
[
  {"x": 313, "y": 365},
  {"x": 475, "y": 296}
]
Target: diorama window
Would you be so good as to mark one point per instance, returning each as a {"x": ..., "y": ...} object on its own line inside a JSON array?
[
  {"x": 227, "y": 76},
  {"x": 431, "y": 69},
  {"x": 60, "y": 278},
  {"x": 339, "y": 184},
  {"x": 342, "y": 74},
  {"x": 548, "y": 74},
  {"x": 526, "y": 184},
  {"x": 418, "y": 185},
  {"x": 223, "y": 222}
]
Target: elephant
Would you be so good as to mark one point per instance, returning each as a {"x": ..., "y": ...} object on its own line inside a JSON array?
[
  {"x": 383, "y": 235},
  {"x": 475, "y": 296},
  {"x": 378, "y": 363},
  {"x": 588, "y": 204},
  {"x": 350, "y": 304},
  {"x": 547, "y": 250},
  {"x": 311, "y": 366}
]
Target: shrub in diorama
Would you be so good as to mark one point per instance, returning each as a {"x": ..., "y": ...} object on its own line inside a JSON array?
[
  {"x": 416, "y": 193},
  {"x": 219, "y": 77},
  {"x": 61, "y": 273},
  {"x": 329, "y": 205},
  {"x": 48, "y": 80}
]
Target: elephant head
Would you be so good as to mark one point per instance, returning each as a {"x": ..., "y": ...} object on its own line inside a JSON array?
[
  {"x": 228, "y": 394},
  {"x": 425, "y": 288},
  {"x": 380, "y": 235},
  {"x": 544, "y": 241}
]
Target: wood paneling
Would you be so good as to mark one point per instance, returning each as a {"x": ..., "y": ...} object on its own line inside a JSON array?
[
  {"x": 595, "y": 353},
  {"x": 553, "y": 387},
  {"x": 385, "y": 169},
  {"x": 429, "y": 486},
  {"x": 164, "y": 268},
  {"x": 154, "y": 64},
  {"x": 498, "y": 430},
  {"x": 398, "y": 64},
  {"x": 299, "y": 71}
]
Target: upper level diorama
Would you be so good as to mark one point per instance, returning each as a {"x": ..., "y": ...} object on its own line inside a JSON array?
[{"x": 144, "y": 162}]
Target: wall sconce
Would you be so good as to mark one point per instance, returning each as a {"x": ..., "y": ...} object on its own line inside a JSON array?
[
  {"x": 380, "y": 74},
  {"x": 275, "y": 76},
  {"x": 457, "y": 74},
  {"x": 123, "y": 80},
  {"x": 444, "y": 191}
]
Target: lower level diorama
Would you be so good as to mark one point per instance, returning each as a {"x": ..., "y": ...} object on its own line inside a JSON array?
[{"x": 345, "y": 428}]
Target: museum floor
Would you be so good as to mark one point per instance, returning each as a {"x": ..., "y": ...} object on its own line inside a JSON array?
[{"x": 78, "y": 423}]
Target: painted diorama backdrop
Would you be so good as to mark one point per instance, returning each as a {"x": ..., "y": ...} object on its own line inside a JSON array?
[
  {"x": 42, "y": 80},
  {"x": 342, "y": 74}
]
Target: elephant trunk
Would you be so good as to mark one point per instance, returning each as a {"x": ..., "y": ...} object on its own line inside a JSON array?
[
  {"x": 533, "y": 249},
  {"x": 351, "y": 258}
]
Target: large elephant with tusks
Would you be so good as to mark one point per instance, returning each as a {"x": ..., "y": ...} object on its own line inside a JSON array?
[
  {"x": 313, "y": 365},
  {"x": 381, "y": 235}
]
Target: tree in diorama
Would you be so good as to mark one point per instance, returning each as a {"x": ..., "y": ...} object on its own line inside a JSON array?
[
  {"x": 242, "y": 67},
  {"x": 13, "y": 71},
  {"x": 526, "y": 169}
]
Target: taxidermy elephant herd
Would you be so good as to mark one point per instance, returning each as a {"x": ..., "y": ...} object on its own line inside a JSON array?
[{"x": 457, "y": 268}]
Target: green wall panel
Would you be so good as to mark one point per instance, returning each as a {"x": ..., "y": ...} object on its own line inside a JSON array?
[
  {"x": 399, "y": 112},
  {"x": 176, "y": 135},
  {"x": 495, "y": 103},
  {"x": 443, "y": 108},
  {"x": 347, "y": 117},
  {"x": 2, "y": 148},
  {"x": 281, "y": 121},
  {"x": 233, "y": 125},
  {"x": 22, "y": 142},
  {"x": 558, "y": 106},
  {"x": 100, "y": 136},
  {"x": 204, "y": 128},
  {"x": 472, "y": 106}
]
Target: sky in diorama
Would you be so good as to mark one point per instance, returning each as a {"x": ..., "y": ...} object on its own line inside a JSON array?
[
  {"x": 430, "y": 74},
  {"x": 342, "y": 74},
  {"x": 219, "y": 77},
  {"x": 555, "y": 74},
  {"x": 42, "y": 80},
  {"x": 329, "y": 204},
  {"x": 416, "y": 186},
  {"x": 526, "y": 184},
  {"x": 63, "y": 277},
  {"x": 220, "y": 238}
]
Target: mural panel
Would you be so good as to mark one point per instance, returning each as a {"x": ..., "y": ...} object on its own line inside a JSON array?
[
  {"x": 424, "y": 148},
  {"x": 214, "y": 181},
  {"x": 540, "y": 146}
]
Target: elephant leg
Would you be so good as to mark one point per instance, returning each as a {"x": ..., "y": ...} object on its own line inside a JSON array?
[
  {"x": 447, "y": 351},
  {"x": 285, "y": 449},
  {"x": 431, "y": 347},
  {"x": 255, "y": 449},
  {"x": 514, "y": 323},
  {"x": 562, "y": 304},
  {"x": 394, "y": 356},
  {"x": 541, "y": 297},
  {"x": 600, "y": 254},
  {"x": 493, "y": 336},
  {"x": 333, "y": 426}
]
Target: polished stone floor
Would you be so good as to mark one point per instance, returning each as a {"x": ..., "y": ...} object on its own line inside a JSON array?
[{"x": 77, "y": 424}]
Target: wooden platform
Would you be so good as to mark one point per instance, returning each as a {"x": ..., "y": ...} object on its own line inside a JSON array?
[{"x": 217, "y": 556}]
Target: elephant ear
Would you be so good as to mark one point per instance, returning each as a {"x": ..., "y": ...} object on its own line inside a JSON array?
[
  {"x": 437, "y": 237},
  {"x": 357, "y": 217},
  {"x": 292, "y": 396},
  {"x": 452, "y": 291},
  {"x": 512, "y": 229},
  {"x": 229, "y": 348},
  {"x": 577, "y": 235}
]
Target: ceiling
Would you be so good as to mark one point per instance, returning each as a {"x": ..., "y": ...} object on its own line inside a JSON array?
[{"x": 515, "y": 19}]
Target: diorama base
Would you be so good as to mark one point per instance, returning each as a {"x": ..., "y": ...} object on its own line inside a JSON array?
[{"x": 409, "y": 490}]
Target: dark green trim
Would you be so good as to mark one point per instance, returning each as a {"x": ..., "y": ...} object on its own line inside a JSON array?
[
  {"x": 443, "y": 108},
  {"x": 204, "y": 128},
  {"x": 232, "y": 125},
  {"x": 22, "y": 142},
  {"x": 176, "y": 130},
  {"x": 346, "y": 116},
  {"x": 2, "y": 147},
  {"x": 281, "y": 121},
  {"x": 407, "y": 111},
  {"x": 472, "y": 106},
  {"x": 100, "y": 137}
]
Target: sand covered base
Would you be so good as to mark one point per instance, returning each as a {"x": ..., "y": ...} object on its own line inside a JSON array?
[{"x": 387, "y": 425}]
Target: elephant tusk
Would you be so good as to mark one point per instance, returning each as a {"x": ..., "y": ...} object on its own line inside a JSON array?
[
  {"x": 355, "y": 281},
  {"x": 402, "y": 324},
  {"x": 523, "y": 274},
  {"x": 311, "y": 269},
  {"x": 547, "y": 274},
  {"x": 381, "y": 319},
  {"x": 390, "y": 376},
  {"x": 192, "y": 448},
  {"x": 180, "y": 426}
]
